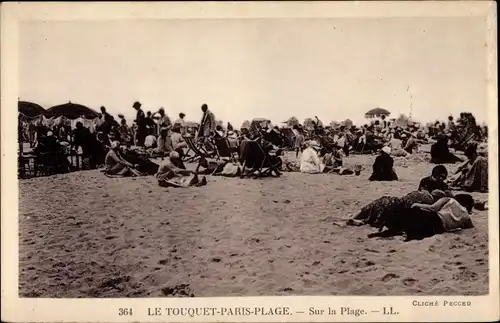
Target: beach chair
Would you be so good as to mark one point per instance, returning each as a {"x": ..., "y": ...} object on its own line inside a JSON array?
[
  {"x": 224, "y": 150},
  {"x": 258, "y": 161},
  {"x": 198, "y": 150}
]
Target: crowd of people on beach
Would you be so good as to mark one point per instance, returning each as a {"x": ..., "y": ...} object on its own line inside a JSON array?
[{"x": 431, "y": 209}]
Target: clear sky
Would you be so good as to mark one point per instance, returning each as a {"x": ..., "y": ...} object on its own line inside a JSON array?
[{"x": 272, "y": 68}]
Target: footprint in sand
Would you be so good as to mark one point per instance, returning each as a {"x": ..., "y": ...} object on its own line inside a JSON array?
[
  {"x": 388, "y": 277},
  {"x": 409, "y": 281},
  {"x": 480, "y": 261},
  {"x": 182, "y": 290}
]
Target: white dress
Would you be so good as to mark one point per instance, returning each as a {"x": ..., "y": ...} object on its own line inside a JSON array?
[{"x": 310, "y": 162}]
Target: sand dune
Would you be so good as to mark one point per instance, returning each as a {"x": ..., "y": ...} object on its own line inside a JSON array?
[{"x": 85, "y": 235}]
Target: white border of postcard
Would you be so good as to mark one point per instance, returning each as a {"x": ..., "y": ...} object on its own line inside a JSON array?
[{"x": 481, "y": 308}]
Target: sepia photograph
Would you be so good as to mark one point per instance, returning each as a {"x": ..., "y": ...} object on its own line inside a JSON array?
[{"x": 244, "y": 157}]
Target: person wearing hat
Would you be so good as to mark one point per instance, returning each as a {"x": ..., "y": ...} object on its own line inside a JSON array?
[
  {"x": 140, "y": 121},
  {"x": 383, "y": 167},
  {"x": 310, "y": 162}
]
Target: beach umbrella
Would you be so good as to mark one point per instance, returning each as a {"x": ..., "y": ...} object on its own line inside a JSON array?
[
  {"x": 30, "y": 109},
  {"x": 72, "y": 111},
  {"x": 377, "y": 112}
]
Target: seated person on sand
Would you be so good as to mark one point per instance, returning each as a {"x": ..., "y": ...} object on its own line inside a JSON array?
[
  {"x": 150, "y": 140},
  {"x": 381, "y": 210},
  {"x": 411, "y": 144},
  {"x": 116, "y": 165},
  {"x": 383, "y": 167},
  {"x": 288, "y": 165},
  {"x": 447, "y": 214},
  {"x": 172, "y": 173},
  {"x": 333, "y": 162},
  {"x": 396, "y": 145},
  {"x": 310, "y": 162},
  {"x": 472, "y": 175},
  {"x": 440, "y": 153},
  {"x": 435, "y": 181}
]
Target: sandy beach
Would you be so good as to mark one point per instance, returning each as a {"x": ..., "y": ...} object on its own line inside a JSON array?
[{"x": 85, "y": 235}]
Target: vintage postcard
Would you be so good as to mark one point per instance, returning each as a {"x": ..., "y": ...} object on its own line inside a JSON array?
[{"x": 249, "y": 162}]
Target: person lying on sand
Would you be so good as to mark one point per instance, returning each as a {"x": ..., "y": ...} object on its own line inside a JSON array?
[
  {"x": 448, "y": 214},
  {"x": 436, "y": 180},
  {"x": 384, "y": 209},
  {"x": 172, "y": 173},
  {"x": 383, "y": 167},
  {"x": 116, "y": 165}
]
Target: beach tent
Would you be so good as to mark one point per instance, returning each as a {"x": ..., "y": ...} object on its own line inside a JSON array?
[
  {"x": 309, "y": 124},
  {"x": 377, "y": 113},
  {"x": 347, "y": 123},
  {"x": 71, "y": 111},
  {"x": 260, "y": 123},
  {"x": 245, "y": 125},
  {"x": 335, "y": 125},
  {"x": 292, "y": 122}
]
